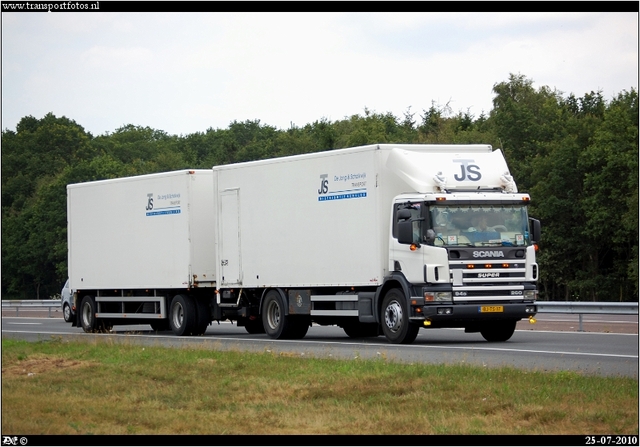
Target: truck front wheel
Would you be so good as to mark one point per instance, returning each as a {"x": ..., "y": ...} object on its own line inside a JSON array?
[
  {"x": 499, "y": 331},
  {"x": 395, "y": 319},
  {"x": 182, "y": 315}
]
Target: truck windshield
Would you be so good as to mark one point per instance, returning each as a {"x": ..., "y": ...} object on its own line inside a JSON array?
[{"x": 480, "y": 225}]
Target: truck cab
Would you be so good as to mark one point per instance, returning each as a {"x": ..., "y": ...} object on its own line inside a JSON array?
[{"x": 469, "y": 257}]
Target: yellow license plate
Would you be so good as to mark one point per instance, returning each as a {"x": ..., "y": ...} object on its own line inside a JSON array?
[{"x": 484, "y": 309}]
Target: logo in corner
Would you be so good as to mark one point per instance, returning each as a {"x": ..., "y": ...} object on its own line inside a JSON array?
[{"x": 14, "y": 440}]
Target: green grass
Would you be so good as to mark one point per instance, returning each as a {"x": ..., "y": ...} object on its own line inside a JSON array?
[{"x": 98, "y": 387}]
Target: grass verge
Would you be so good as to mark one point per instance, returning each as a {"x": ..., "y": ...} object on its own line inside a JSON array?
[{"x": 56, "y": 387}]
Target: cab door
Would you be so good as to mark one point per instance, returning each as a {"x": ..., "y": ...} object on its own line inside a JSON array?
[{"x": 408, "y": 257}]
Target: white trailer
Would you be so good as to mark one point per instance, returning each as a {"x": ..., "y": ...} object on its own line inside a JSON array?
[
  {"x": 329, "y": 238},
  {"x": 136, "y": 243},
  {"x": 378, "y": 239}
]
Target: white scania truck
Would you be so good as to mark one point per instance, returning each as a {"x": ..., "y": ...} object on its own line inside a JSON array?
[{"x": 379, "y": 240}]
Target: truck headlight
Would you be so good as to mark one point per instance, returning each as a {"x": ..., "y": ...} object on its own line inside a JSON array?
[
  {"x": 530, "y": 294},
  {"x": 437, "y": 296}
]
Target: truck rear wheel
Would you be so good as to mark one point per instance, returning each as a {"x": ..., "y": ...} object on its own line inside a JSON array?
[
  {"x": 278, "y": 325},
  {"x": 273, "y": 317},
  {"x": 499, "y": 331},
  {"x": 182, "y": 315},
  {"x": 395, "y": 319},
  {"x": 254, "y": 326},
  {"x": 299, "y": 326}
]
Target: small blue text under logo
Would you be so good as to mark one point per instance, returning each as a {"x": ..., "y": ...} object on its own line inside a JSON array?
[
  {"x": 162, "y": 212},
  {"x": 354, "y": 195}
]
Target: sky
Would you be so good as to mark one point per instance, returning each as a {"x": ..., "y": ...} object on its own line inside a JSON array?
[{"x": 184, "y": 73}]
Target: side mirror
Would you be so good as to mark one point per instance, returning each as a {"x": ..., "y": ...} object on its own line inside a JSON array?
[
  {"x": 405, "y": 230},
  {"x": 536, "y": 231}
]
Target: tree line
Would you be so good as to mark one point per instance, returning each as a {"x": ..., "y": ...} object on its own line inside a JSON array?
[{"x": 576, "y": 156}]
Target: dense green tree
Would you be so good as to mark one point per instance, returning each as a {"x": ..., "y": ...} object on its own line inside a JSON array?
[
  {"x": 38, "y": 148},
  {"x": 610, "y": 202},
  {"x": 577, "y": 156},
  {"x": 34, "y": 221},
  {"x": 563, "y": 151},
  {"x": 526, "y": 120}
]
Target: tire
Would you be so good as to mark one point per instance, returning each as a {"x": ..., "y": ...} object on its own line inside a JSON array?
[
  {"x": 395, "y": 319},
  {"x": 276, "y": 324},
  {"x": 66, "y": 313},
  {"x": 204, "y": 316},
  {"x": 183, "y": 315},
  {"x": 360, "y": 330},
  {"x": 87, "y": 312},
  {"x": 160, "y": 325},
  {"x": 499, "y": 331},
  {"x": 299, "y": 326},
  {"x": 254, "y": 326}
]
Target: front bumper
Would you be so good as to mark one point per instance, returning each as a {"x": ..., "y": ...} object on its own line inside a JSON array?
[{"x": 464, "y": 315}]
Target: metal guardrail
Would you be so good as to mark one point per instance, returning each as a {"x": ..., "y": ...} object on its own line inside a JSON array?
[
  {"x": 582, "y": 307},
  {"x": 31, "y": 304},
  {"x": 575, "y": 307}
]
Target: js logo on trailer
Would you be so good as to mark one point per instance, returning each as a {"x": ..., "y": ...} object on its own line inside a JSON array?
[
  {"x": 149, "y": 202},
  {"x": 324, "y": 184},
  {"x": 467, "y": 171}
]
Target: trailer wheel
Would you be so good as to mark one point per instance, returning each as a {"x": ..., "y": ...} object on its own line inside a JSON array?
[
  {"x": 182, "y": 315},
  {"x": 499, "y": 331},
  {"x": 204, "y": 316},
  {"x": 395, "y": 319},
  {"x": 276, "y": 323},
  {"x": 359, "y": 330},
  {"x": 88, "y": 314}
]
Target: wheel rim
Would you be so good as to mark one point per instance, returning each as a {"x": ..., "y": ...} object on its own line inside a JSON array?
[
  {"x": 177, "y": 313},
  {"x": 87, "y": 318},
  {"x": 273, "y": 315},
  {"x": 393, "y": 316},
  {"x": 67, "y": 312}
]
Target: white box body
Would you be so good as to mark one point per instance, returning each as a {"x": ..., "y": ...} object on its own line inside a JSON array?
[
  {"x": 322, "y": 219},
  {"x": 145, "y": 232}
]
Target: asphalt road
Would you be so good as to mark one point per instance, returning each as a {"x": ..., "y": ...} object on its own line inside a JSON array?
[{"x": 611, "y": 350}]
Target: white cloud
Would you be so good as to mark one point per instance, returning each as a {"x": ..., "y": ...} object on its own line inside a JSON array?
[{"x": 184, "y": 73}]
